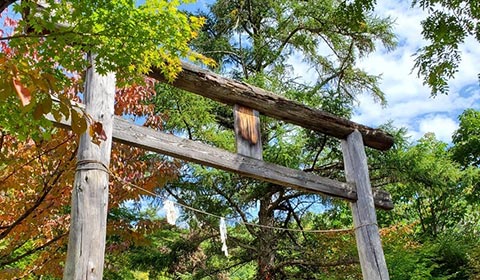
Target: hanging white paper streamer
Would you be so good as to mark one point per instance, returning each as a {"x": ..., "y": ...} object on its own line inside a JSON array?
[
  {"x": 171, "y": 212},
  {"x": 223, "y": 236}
]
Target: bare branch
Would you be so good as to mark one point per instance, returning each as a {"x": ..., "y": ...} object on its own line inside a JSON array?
[{"x": 236, "y": 207}]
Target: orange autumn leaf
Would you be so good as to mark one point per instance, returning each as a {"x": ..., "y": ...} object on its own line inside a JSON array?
[
  {"x": 97, "y": 131},
  {"x": 39, "y": 176},
  {"x": 22, "y": 92}
]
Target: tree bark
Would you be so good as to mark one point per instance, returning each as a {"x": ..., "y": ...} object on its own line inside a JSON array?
[
  {"x": 266, "y": 241},
  {"x": 86, "y": 246}
]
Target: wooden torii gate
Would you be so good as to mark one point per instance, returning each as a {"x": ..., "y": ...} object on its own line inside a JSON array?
[{"x": 86, "y": 246}]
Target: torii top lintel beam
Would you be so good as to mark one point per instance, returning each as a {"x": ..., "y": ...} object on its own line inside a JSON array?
[{"x": 229, "y": 91}]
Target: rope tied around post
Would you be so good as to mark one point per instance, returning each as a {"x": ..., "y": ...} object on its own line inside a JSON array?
[
  {"x": 365, "y": 225},
  {"x": 89, "y": 164}
]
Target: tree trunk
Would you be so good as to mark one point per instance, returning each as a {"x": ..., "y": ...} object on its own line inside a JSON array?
[
  {"x": 266, "y": 240},
  {"x": 86, "y": 245},
  {"x": 249, "y": 143}
]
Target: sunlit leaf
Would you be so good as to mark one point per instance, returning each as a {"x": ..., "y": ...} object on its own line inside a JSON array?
[
  {"x": 47, "y": 104},
  {"x": 79, "y": 123},
  {"x": 22, "y": 92}
]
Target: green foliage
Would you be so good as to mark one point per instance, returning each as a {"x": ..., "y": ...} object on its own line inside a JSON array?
[
  {"x": 447, "y": 257},
  {"x": 20, "y": 122},
  {"x": 46, "y": 55},
  {"x": 196, "y": 116},
  {"x": 447, "y": 26},
  {"x": 452, "y": 255},
  {"x": 467, "y": 139},
  {"x": 128, "y": 40},
  {"x": 430, "y": 186},
  {"x": 435, "y": 219},
  {"x": 406, "y": 258},
  {"x": 158, "y": 248},
  {"x": 259, "y": 37}
]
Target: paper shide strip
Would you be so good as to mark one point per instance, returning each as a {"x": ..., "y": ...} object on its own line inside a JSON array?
[
  {"x": 171, "y": 212},
  {"x": 223, "y": 236}
]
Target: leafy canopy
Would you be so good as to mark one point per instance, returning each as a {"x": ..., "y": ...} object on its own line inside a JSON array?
[
  {"x": 45, "y": 55},
  {"x": 467, "y": 139},
  {"x": 128, "y": 40},
  {"x": 447, "y": 26}
]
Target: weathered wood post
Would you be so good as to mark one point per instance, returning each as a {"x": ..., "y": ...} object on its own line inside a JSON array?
[
  {"x": 247, "y": 132},
  {"x": 249, "y": 143},
  {"x": 86, "y": 244},
  {"x": 367, "y": 236}
]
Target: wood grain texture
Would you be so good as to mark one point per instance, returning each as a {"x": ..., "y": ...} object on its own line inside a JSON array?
[
  {"x": 247, "y": 132},
  {"x": 156, "y": 141},
  {"x": 372, "y": 259},
  {"x": 228, "y": 91},
  {"x": 86, "y": 245}
]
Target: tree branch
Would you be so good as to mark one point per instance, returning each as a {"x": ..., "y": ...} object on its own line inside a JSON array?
[
  {"x": 32, "y": 251},
  {"x": 236, "y": 207},
  {"x": 47, "y": 187},
  {"x": 27, "y": 213},
  {"x": 324, "y": 142},
  {"x": 5, "y": 3},
  {"x": 36, "y": 157},
  {"x": 316, "y": 264}
]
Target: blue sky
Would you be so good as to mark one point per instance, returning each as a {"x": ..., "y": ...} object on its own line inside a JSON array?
[{"x": 409, "y": 102}]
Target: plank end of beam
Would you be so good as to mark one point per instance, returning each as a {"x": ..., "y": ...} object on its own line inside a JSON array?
[
  {"x": 377, "y": 139},
  {"x": 383, "y": 199}
]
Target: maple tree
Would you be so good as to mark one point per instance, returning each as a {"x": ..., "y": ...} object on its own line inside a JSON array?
[
  {"x": 36, "y": 182},
  {"x": 45, "y": 54},
  {"x": 42, "y": 61},
  {"x": 35, "y": 192}
]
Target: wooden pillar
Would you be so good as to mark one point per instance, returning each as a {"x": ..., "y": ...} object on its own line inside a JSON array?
[
  {"x": 367, "y": 236},
  {"x": 249, "y": 143},
  {"x": 247, "y": 132},
  {"x": 86, "y": 244}
]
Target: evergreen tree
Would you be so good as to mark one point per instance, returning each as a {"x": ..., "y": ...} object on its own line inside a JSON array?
[{"x": 258, "y": 42}]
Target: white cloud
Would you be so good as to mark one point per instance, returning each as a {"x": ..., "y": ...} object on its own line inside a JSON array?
[
  {"x": 301, "y": 69},
  {"x": 409, "y": 101},
  {"x": 442, "y": 126}
]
